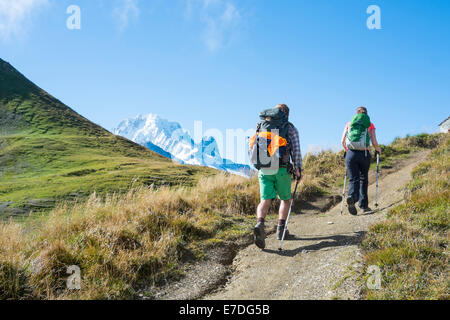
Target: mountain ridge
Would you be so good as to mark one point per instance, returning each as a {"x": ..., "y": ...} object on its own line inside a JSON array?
[{"x": 46, "y": 114}]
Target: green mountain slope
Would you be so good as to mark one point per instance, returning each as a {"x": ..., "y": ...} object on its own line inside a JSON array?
[{"x": 48, "y": 152}]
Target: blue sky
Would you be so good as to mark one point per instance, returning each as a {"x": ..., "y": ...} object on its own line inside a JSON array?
[{"x": 223, "y": 61}]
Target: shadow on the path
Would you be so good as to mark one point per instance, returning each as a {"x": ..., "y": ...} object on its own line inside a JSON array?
[
  {"x": 316, "y": 204},
  {"x": 300, "y": 205},
  {"x": 380, "y": 209},
  {"x": 328, "y": 242}
]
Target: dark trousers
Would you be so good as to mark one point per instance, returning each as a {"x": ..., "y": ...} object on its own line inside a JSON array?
[{"x": 358, "y": 164}]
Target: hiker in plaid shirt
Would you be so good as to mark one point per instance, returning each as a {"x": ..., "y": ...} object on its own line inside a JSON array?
[{"x": 278, "y": 181}]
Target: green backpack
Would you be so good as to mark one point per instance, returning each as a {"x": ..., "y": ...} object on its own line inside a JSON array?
[{"x": 358, "y": 137}]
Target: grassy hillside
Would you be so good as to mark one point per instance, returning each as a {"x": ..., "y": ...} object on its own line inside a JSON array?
[
  {"x": 48, "y": 152},
  {"x": 411, "y": 246}
]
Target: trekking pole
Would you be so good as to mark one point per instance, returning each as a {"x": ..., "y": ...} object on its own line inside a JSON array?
[
  {"x": 378, "y": 173},
  {"x": 287, "y": 221},
  {"x": 345, "y": 183}
]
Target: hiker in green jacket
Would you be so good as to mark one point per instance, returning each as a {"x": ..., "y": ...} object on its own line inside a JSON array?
[
  {"x": 356, "y": 141},
  {"x": 275, "y": 179}
]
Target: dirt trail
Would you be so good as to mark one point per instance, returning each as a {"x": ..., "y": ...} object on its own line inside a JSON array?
[{"x": 321, "y": 260}]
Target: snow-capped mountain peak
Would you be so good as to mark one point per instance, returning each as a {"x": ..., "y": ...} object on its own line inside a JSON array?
[{"x": 171, "y": 140}]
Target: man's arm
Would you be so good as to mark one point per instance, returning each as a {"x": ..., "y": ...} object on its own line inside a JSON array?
[{"x": 296, "y": 150}]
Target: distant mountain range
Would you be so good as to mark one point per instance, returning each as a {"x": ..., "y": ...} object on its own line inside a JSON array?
[{"x": 169, "y": 139}]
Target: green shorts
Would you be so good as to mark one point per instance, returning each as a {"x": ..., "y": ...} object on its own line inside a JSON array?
[{"x": 271, "y": 185}]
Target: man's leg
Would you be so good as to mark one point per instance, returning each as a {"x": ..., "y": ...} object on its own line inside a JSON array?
[
  {"x": 263, "y": 209},
  {"x": 267, "y": 190},
  {"x": 259, "y": 233},
  {"x": 267, "y": 184},
  {"x": 284, "y": 209},
  {"x": 284, "y": 183},
  {"x": 282, "y": 216}
]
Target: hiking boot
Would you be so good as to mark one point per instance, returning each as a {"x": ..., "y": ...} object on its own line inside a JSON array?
[
  {"x": 351, "y": 206},
  {"x": 280, "y": 231},
  {"x": 259, "y": 235}
]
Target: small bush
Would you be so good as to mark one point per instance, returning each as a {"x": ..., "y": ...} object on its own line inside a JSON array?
[{"x": 425, "y": 141}]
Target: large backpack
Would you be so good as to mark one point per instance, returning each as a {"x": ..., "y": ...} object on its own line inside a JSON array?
[
  {"x": 269, "y": 146},
  {"x": 357, "y": 137}
]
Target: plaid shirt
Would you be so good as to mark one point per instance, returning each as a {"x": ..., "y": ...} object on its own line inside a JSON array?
[{"x": 295, "y": 146}]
